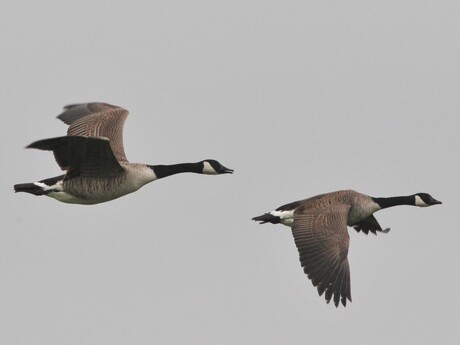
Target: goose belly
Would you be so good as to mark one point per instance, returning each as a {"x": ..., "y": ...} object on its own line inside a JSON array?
[{"x": 90, "y": 191}]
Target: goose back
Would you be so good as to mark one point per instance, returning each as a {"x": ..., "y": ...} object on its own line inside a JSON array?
[{"x": 361, "y": 205}]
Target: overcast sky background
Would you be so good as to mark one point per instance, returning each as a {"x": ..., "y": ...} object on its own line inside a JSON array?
[{"x": 300, "y": 98}]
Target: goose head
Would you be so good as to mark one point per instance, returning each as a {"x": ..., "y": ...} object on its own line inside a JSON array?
[
  {"x": 425, "y": 200},
  {"x": 213, "y": 167}
]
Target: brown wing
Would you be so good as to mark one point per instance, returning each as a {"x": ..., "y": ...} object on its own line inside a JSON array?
[
  {"x": 80, "y": 156},
  {"x": 322, "y": 239},
  {"x": 97, "y": 120}
]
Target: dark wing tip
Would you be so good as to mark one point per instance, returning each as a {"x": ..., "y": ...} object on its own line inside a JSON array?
[
  {"x": 73, "y": 112},
  {"x": 46, "y": 144},
  {"x": 360, "y": 228}
]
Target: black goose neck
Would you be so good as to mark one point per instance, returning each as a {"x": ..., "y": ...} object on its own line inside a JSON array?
[
  {"x": 395, "y": 201},
  {"x": 168, "y": 170}
]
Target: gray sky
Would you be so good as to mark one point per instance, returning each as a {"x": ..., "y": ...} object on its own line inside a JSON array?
[{"x": 300, "y": 98}]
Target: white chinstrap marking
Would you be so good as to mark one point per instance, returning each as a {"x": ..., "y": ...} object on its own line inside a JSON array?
[
  {"x": 419, "y": 202},
  {"x": 208, "y": 169}
]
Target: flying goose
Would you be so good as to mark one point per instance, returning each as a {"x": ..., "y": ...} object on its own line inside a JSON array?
[
  {"x": 94, "y": 160},
  {"x": 319, "y": 226}
]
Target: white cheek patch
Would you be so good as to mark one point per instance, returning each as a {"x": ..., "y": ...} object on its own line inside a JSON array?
[
  {"x": 419, "y": 202},
  {"x": 208, "y": 169},
  {"x": 286, "y": 217}
]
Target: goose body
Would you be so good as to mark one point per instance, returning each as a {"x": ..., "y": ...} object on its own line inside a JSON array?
[
  {"x": 319, "y": 226},
  {"x": 93, "y": 158}
]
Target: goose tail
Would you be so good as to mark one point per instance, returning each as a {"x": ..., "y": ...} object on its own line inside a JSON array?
[
  {"x": 42, "y": 187},
  {"x": 31, "y": 188},
  {"x": 267, "y": 218}
]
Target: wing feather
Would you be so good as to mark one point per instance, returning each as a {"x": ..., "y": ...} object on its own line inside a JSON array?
[
  {"x": 97, "y": 120},
  {"x": 81, "y": 156},
  {"x": 322, "y": 240},
  {"x": 369, "y": 224}
]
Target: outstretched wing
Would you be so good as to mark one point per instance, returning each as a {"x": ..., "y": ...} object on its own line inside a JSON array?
[
  {"x": 82, "y": 156},
  {"x": 322, "y": 240},
  {"x": 97, "y": 120}
]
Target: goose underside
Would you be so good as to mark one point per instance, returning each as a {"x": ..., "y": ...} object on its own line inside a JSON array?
[
  {"x": 88, "y": 191},
  {"x": 79, "y": 190}
]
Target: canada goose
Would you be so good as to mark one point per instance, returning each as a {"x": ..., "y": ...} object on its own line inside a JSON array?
[
  {"x": 94, "y": 160},
  {"x": 319, "y": 226}
]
